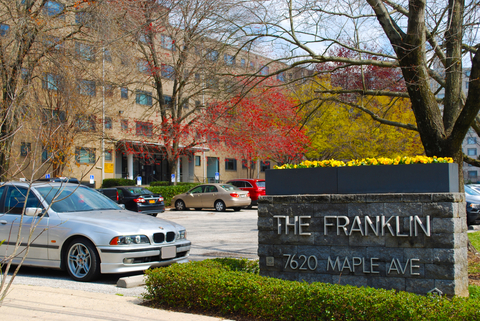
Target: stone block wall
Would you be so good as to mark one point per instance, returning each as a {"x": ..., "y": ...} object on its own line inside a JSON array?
[{"x": 407, "y": 242}]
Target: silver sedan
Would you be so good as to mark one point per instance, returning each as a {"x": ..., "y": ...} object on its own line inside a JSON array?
[
  {"x": 218, "y": 196},
  {"x": 79, "y": 229}
]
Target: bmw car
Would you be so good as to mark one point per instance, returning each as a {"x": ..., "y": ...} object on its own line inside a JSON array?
[{"x": 79, "y": 229}]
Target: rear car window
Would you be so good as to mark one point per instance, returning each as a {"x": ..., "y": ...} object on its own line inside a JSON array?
[
  {"x": 138, "y": 191},
  {"x": 261, "y": 184},
  {"x": 229, "y": 187}
]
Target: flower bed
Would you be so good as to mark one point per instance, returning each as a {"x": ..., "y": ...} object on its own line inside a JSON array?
[
  {"x": 418, "y": 174},
  {"x": 370, "y": 162}
]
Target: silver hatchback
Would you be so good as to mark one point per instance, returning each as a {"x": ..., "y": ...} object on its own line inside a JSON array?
[{"x": 81, "y": 230}]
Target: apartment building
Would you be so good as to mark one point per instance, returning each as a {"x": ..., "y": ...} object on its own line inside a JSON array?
[{"x": 112, "y": 130}]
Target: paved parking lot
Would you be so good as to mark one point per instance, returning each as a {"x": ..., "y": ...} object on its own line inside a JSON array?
[{"x": 219, "y": 234}]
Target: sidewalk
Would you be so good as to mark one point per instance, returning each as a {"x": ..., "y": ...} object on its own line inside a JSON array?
[{"x": 26, "y": 302}]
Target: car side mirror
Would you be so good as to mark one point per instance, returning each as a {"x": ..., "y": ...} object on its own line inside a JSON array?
[
  {"x": 122, "y": 206},
  {"x": 33, "y": 211}
]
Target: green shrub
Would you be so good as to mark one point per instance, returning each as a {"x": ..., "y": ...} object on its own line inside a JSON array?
[
  {"x": 166, "y": 183},
  {"x": 168, "y": 192},
  {"x": 221, "y": 286},
  {"x": 111, "y": 182},
  {"x": 474, "y": 292}
]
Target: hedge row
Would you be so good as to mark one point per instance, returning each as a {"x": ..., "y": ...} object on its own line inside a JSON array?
[
  {"x": 168, "y": 192},
  {"x": 166, "y": 183},
  {"x": 218, "y": 286},
  {"x": 112, "y": 182}
]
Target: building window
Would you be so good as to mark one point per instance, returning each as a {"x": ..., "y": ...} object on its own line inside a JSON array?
[
  {"x": 212, "y": 55},
  {"x": 185, "y": 104},
  {"x": 143, "y": 67},
  {"x": 167, "y": 100},
  {"x": 167, "y": 43},
  {"x": 230, "y": 164},
  {"x": 52, "y": 8},
  {"x": 245, "y": 164},
  {"x": 229, "y": 59},
  {"x": 197, "y": 103},
  {"x": 25, "y": 74},
  {"x": 107, "y": 55},
  {"x": 167, "y": 71},
  {"x": 471, "y": 140},
  {"x": 51, "y": 82},
  {"x": 108, "y": 90},
  {"x": 84, "y": 18},
  {"x": 54, "y": 115},
  {"x": 264, "y": 70},
  {"x": 471, "y": 151},
  {"x": 198, "y": 161},
  {"x": 144, "y": 38},
  {"x": 212, "y": 83},
  {"x": 87, "y": 87},
  {"x": 25, "y": 148},
  {"x": 108, "y": 123},
  {"x": 472, "y": 174},
  {"x": 108, "y": 155},
  {"x": 144, "y": 128},
  {"x": 46, "y": 155},
  {"x": 85, "y": 123},
  {"x": 252, "y": 65},
  {"x": 197, "y": 77},
  {"x": 264, "y": 165},
  {"x": 242, "y": 63},
  {"x": 85, "y": 155},
  {"x": 143, "y": 98},
  {"x": 281, "y": 77},
  {"x": 124, "y": 93},
  {"x": 4, "y": 29},
  {"x": 124, "y": 124}
]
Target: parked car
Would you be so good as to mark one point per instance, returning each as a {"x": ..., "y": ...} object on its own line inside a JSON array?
[
  {"x": 472, "y": 198},
  {"x": 256, "y": 187},
  {"x": 218, "y": 196},
  {"x": 476, "y": 187},
  {"x": 84, "y": 232},
  {"x": 136, "y": 198}
]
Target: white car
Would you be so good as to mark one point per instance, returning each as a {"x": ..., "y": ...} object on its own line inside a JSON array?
[{"x": 83, "y": 231}]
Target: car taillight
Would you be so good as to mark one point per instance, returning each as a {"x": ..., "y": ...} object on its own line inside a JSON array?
[
  {"x": 160, "y": 199},
  {"x": 234, "y": 195},
  {"x": 248, "y": 194},
  {"x": 117, "y": 196},
  {"x": 139, "y": 200}
]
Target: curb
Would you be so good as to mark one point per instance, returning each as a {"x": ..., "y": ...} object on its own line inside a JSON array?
[{"x": 131, "y": 281}]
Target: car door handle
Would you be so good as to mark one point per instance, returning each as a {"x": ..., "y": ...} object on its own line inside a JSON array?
[{"x": 3, "y": 222}]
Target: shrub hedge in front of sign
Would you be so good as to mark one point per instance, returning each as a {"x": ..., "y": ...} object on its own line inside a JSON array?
[
  {"x": 168, "y": 192},
  {"x": 225, "y": 286}
]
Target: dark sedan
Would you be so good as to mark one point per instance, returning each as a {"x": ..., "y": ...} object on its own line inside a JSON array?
[{"x": 140, "y": 199}]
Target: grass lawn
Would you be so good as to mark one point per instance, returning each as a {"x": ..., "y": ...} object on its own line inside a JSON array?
[{"x": 474, "y": 266}]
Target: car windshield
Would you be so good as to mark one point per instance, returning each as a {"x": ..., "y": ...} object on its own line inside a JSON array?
[
  {"x": 138, "y": 191},
  {"x": 229, "y": 187},
  {"x": 471, "y": 191},
  {"x": 261, "y": 184},
  {"x": 64, "y": 199}
]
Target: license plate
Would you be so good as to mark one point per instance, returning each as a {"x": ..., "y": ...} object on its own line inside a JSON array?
[
  {"x": 242, "y": 195},
  {"x": 151, "y": 201},
  {"x": 169, "y": 252}
]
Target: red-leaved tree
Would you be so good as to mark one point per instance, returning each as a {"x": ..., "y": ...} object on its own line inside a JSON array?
[{"x": 264, "y": 125}]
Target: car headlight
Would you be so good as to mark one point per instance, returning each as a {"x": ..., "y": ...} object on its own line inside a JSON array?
[
  {"x": 129, "y": 239},
  {"x": 182, "y": 235}
]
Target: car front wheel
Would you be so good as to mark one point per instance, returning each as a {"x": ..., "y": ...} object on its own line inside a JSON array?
[
  {"x": 219, "y": 206},
  {"x": 83, "y": 262},
  {"x": 180, "y": 205}
]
